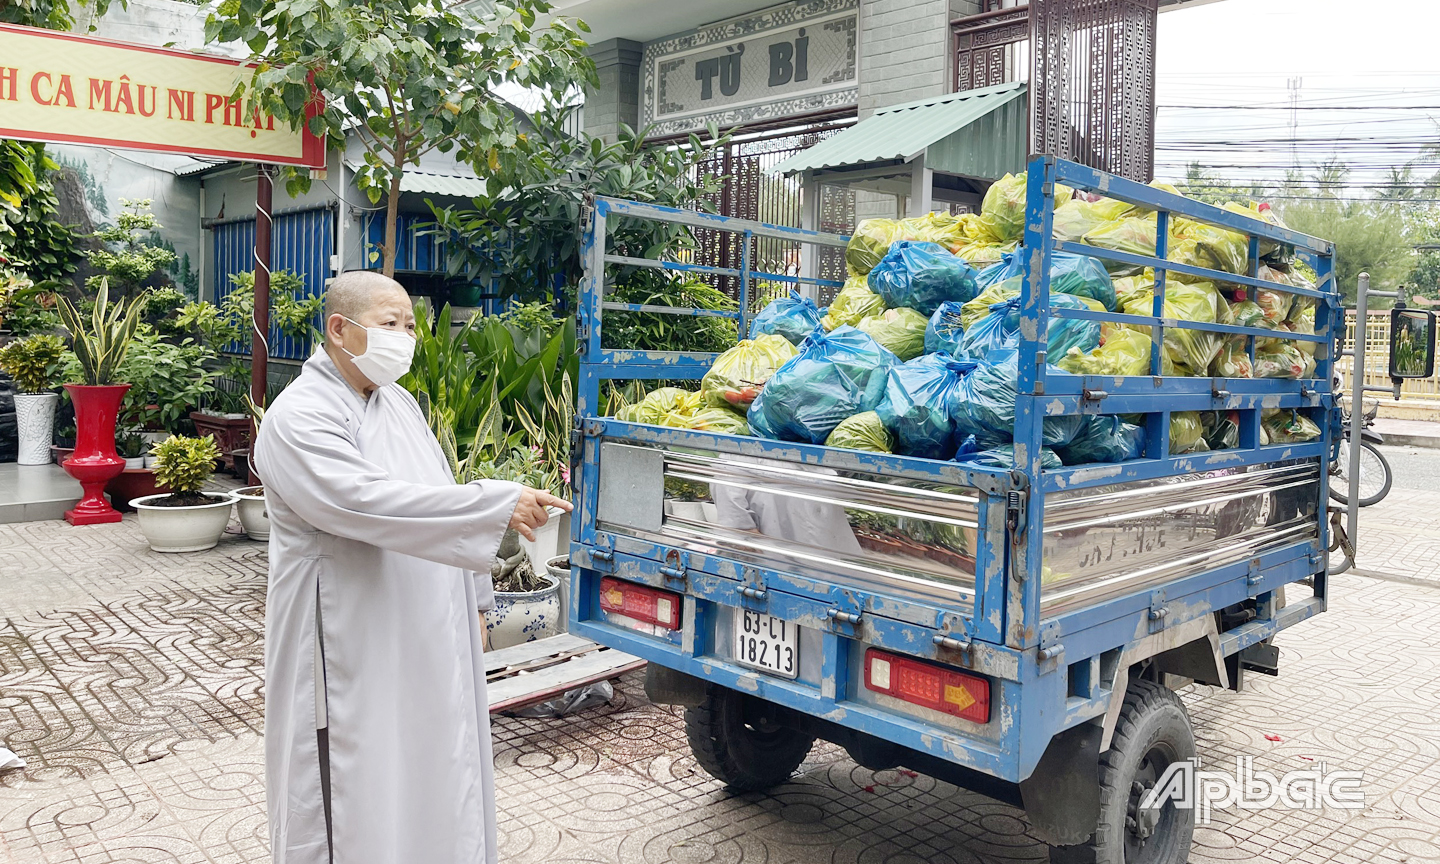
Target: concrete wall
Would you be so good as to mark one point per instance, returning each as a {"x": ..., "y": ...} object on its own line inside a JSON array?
[{"x": 617, "y": 98}]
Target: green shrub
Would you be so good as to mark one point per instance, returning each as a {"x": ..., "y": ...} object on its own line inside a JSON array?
[
  {"x": 184, "y": 464},
  {"x": 34, "y": 363}
]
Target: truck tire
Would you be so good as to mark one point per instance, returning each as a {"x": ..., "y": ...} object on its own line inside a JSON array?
[
  {"x": 742, "y": 741},
  {"x": 1153, "y": 731}
]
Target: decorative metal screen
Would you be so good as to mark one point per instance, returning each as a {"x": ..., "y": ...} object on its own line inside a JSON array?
[
  {"x": 1090, "y": 65},
  {"x": 750, "y": 193}
]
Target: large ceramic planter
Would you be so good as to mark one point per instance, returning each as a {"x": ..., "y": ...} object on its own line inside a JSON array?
[
  {"x": 35, "y": 422},
  {"x": 94, "y": 461},
  {"x": 183, "y": 529},
  {"x": 524, "y": 616},
  {"x": 559, "y": 570},
  {"x": 551, "y": 539},
  {"x": 250, "y": 503}
]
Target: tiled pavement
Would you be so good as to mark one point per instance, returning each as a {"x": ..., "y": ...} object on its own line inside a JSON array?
[{"x": 131, "y": 683}]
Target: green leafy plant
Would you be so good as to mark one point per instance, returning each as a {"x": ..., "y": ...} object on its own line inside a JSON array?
[
  {"x": 130, "y": 445},
  {"x": 524, "y": 234},
  {"x": 403, "y": 78},
  {"x": 100, "y": 345},
  {"x": 125, "y": 259},
  {"x": 26, "y": 308},
  {"x": 230, "y": 322},
  {"x": 185, "y": 464},
  {"x": 167, "y": 380},
  {"x": 34, "y": 363},
  {"x": 650, "y": 331},
  {"x": 31, "y": 237}
]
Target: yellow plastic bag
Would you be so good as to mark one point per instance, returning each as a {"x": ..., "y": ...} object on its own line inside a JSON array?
[
  {"x": 1287, "y": 361},
  {"x": 1187, "y": 433},
  {"x": 737, "y": 375},
  {"x": 1003, "y": 210},
  {"x": 1232, "y": 361},
  {"x": 1215, "y": 248},
  {"x": 974, "y": 310},
  {"x": 1124, "y": 352},
  {"x": 854, "y": 302},
  {"x": 869, "y": 243},
  {"x": 721, "y": 420},
  {"x": 901, "y": 331},
  {"x": 1078, "y": 218},
  {"x": 1264, "y": 213},
  {"x": 1286, "y": 426},
  {"x": 982, "y": 255},
  {"x": 862, "y": 431},
  {"x": 1132, "y": 234},
  {"x": 661, "y": 403},
  {"x": 1189, "y": 351}
]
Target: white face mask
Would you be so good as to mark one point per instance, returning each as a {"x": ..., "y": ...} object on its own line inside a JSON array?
[{"x": 387, "y": 354}]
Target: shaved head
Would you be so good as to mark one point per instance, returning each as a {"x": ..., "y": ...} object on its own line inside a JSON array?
[{"x": 355, "y": 291}]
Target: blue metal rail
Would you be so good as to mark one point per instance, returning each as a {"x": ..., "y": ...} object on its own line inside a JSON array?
[{"x": 1044, "y": 665}]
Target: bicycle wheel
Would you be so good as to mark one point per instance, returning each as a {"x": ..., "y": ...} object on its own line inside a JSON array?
[{"x": 1375, "y": 476}]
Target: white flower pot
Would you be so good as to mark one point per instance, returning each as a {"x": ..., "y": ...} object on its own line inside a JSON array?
[
  {"x": 559, "y": 570},
  {"x": 35, "y": 419},
  {"x": 133, "y": 463},
  {"x": 552, "y": 539},
  {"x": 250, "y": 503},
  {"x": 524, "y": 616},
  {"x": 183, "y": 529},
  {"x": 148, "y": 460}
]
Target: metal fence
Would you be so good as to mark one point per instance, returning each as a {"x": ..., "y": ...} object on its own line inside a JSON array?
[
  {"x": 1377, "y": 357},
  {"x": 750, "y": 192},
  {"x": 301, "y": 242}
]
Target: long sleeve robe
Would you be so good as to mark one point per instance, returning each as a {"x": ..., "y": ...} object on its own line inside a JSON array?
[{"x": 372, "y": 632}]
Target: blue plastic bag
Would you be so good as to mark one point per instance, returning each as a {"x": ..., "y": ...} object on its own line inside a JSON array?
[
  {"x": 1104, "y": 438},
  {"x": 921, "y": 276},
  {"x": 983, "y": 404},
  {"x": 835, "y": 376},
  {"x": 945, "y": 329},
  {"x": 916, "y": 405},
  {"x": 1003, "y": 456},
  {"x": 793, "y": 317},
  {"x": 1009, "y": 265},
  {"x": 1001, "y": 329},
  {"x": 1081, "y": 276}
]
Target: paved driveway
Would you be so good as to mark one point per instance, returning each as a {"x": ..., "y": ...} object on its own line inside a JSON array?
[{"x": 131, "y": 682}]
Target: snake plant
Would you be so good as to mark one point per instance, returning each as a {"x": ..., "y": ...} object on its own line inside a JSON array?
[{"x": 101, "y": 345}]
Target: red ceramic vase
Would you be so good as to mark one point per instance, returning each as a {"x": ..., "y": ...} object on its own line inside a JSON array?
[{"x": 94, "y": 462}]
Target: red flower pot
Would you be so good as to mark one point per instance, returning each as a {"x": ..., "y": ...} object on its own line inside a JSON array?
[{"x": 94, "y": 462}]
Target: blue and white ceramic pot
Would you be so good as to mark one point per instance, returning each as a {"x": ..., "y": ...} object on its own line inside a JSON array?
[{"x": 524, "y": 616}]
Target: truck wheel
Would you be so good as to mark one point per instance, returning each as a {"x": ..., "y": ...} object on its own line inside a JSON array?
[
  {"x": 742, "y": 741},
  {"x": 1153, "y": 731}
]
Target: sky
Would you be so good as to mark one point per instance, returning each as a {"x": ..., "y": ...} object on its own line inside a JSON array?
[{"x": 1357, "y": 63}]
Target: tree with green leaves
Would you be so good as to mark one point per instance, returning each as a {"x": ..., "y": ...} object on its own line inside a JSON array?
[
  {"x": 404, "y": 77},
  {"x": 524, "y": 234},
  {"x": 125, "y": 259}
]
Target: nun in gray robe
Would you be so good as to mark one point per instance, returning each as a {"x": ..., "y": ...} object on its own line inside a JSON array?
[{"x": 378, "y": 564}]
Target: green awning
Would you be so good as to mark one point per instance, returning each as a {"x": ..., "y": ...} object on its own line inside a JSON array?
[
  {"x": 975, "y": 133},
  {"x": 433, "y": 183}
]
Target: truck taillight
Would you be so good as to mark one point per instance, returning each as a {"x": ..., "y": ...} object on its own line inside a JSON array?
[
  {"x": 929, "y": 685},
  {"x": 640, "y": 602}
]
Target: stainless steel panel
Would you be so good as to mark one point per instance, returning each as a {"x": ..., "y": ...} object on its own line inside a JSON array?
[
  {"x": 1117, "y": 539},
  {"x": 632, "y": 486},
  {"x": 906, "y": 536}
]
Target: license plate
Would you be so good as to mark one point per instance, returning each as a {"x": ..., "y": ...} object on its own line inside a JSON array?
[{"x": 767, "y": 643}]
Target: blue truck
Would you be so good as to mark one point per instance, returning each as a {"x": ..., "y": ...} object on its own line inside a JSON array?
[{"x": 1019, "y": 632}]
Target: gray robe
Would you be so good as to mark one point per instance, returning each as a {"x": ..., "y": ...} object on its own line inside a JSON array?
[{"x": 371, "y": 538}]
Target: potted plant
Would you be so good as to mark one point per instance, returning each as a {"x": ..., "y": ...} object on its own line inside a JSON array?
[
  {"x": 527, "y": 602},
  {"x": 33, "y": 363},
  {"x": 250, "y": 500},
  {"x": 131, "y": 447},
  {"x": 100, "y": 346},
  {"x": 186, "y": 519}
]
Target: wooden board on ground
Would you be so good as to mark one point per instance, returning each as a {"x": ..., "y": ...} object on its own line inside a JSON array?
[{"x": 537, "y": 671}]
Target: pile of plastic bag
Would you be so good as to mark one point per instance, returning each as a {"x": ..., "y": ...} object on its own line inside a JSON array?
[{"x": 917, "y": 355}]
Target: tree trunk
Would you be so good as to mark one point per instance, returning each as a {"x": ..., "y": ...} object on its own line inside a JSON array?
[{"x": 392, "y": 215}]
